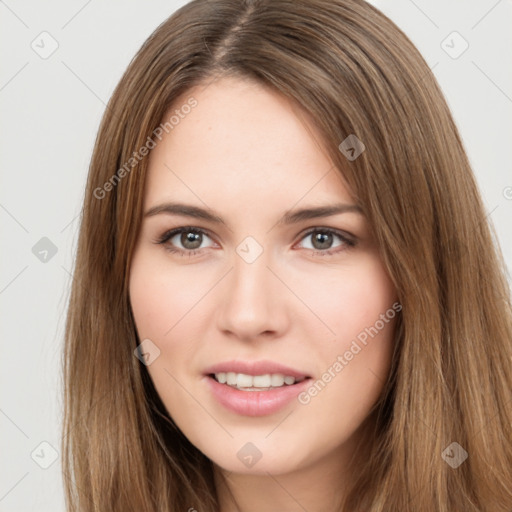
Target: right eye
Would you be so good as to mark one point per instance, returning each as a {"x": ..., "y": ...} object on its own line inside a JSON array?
[{"x": 190, "y": 238}]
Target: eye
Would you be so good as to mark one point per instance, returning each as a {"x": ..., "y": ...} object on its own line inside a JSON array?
[
  {"x": 328, "y": 241},
  {"x": 185, "y": 240}
]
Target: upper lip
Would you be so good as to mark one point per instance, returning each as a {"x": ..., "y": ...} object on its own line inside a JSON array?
[{"x": 254, "y": 368}]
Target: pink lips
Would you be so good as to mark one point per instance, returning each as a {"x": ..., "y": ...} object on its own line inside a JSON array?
[{"x": 255, "y": 403}]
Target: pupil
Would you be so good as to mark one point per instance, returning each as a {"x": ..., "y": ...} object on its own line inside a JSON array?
[
  {"x": 191, "y": 240},
  {"x": 322, "y": 240}
]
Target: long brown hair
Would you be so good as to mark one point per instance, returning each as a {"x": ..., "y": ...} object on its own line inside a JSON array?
[{"x": 356, "y": 73}]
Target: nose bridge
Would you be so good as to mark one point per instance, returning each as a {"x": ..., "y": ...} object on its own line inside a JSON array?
[{"x": 250, "y": 280}]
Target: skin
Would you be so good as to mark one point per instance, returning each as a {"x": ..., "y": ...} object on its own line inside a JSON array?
[{"x": 249, "y": 155}]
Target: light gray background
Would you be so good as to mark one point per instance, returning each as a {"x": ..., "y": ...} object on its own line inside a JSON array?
[{"x": 51, "y": 109}]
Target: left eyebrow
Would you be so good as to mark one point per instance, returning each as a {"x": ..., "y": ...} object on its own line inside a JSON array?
[{"x": 293, "y": 217}]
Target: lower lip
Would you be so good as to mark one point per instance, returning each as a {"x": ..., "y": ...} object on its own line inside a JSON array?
[{"x": 255, "y": 403}]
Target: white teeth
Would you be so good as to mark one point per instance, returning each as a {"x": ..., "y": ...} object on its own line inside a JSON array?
[
  {"x": 277, "y": 380},
  {"x": 221, "y": 377},
  {"x": 259, "y": 381},
  {"x": 241, "y": 380},
  {"x": 289, "y": 380}
]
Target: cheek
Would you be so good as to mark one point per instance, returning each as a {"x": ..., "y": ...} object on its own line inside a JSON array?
[
  {"x": 163, "y": 301},
  {"x": 360, "y": 306},
  {"x": 162, "y": 296},
  {"x": 349, "y": 299}
]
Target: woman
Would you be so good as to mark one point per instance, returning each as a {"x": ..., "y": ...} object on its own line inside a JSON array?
[{"x": 286, "y": 293}]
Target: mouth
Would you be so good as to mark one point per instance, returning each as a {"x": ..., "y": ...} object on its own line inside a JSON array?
[
  {"x": 255, "y": 395},
  {"x": 264, "y": 382}
]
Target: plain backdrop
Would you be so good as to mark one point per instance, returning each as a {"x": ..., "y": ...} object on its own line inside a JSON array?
[{"x": 51, "y": 106}]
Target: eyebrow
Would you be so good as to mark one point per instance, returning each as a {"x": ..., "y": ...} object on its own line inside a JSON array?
[{"x": 290, "y": 217}]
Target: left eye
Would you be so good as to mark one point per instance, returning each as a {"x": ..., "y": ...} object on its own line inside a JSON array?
[{"x": 324, "y": 240}]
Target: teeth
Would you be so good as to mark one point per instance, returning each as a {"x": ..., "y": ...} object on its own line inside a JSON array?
[
  {"x": 241, "y": 380},
  {"x": 289, "y": 380}
]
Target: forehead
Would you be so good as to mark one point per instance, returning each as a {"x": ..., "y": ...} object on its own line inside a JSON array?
[{"x": 242, "y": 144}]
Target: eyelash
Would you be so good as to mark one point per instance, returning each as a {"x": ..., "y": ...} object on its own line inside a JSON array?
[{"x": 348, "y": 243}]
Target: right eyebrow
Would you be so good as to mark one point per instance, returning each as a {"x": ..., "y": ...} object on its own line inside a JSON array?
[{"x": 186, "y": 210}]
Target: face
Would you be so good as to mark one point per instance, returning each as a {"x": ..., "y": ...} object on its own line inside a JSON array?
[{"x": 253, "y": 259}]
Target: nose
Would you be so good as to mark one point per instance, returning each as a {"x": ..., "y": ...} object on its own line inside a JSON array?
[{"x": 252, "y": 301}]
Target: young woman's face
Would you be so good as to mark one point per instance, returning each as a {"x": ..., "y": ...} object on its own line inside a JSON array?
[{"x": 248, "y": 272}]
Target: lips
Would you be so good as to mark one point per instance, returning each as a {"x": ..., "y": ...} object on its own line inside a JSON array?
[
  {"x": 257, "y": 402},
  {"x": 255, "y": 368}
]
